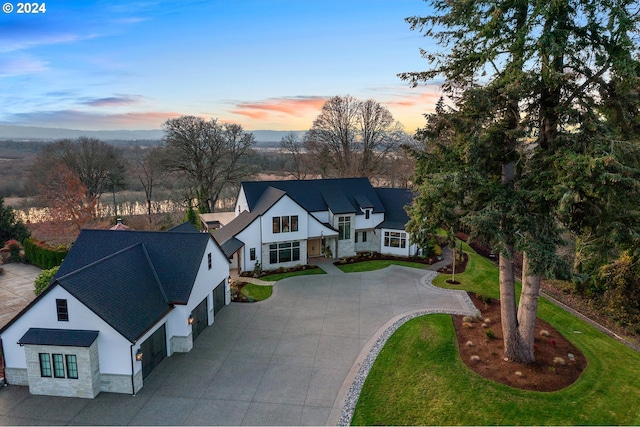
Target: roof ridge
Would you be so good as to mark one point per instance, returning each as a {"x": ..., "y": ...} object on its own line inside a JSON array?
[
  {"x": 118, "y": 253},
  {"x": 155, "y": 274}
]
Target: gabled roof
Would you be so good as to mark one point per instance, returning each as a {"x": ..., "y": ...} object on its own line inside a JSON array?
[
  {"x": 185, "y": 227},
  {"x": 310, "y": 194},
  {"x": 123, "y": 289},
  {"x": 394, "y": 200},
  {"x": 176, "y": 256}
]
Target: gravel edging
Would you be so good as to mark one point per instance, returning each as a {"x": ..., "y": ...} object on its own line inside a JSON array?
[{"x": 353, "y": 394}]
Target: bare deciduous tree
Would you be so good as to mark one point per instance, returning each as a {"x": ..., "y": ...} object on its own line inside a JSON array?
[
  {"x": 208, "y": 154},
  {"x": 356, "y": 135}
]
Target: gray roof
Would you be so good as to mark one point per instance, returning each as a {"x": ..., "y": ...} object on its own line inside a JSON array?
[
  {"x": 395, "y": 200},
  {"x": 61, "y": 337},
  {"x": 185, "y": 227},
  {"x": 231, "y": 246},
  {"x": 123, "y": 289},
  {"x": 312, "y": 194},
  {"x": 176, "y": 255}
]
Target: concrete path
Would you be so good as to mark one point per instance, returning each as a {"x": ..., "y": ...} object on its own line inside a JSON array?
[
  {"x": 16, "y": 289},
  {"x": 283, "y": 361}
]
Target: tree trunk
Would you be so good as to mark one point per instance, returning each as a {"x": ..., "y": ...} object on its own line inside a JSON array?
[
  {"x": 510, "y": 333},
  {"x": 527, "y": 309}
]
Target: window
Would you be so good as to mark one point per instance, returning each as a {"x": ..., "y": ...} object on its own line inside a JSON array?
[
  {"x": 63, "y": 310},
  {"x": 252, "y": 254},
  {"x": 344, "y": 227},
  {"x": 364, "y": 236},
  {"x": 209, "y": 260},
  {"x": 284, "y": 224},
  {"x": 367, "y": 213},
  {"x": 58, "y": 366},
  {"x": 45, "y": 365},
  {"x": 394, "y": 239},
  {"x": 284, "y": 252},
  {"x": 72, "y": 366}
]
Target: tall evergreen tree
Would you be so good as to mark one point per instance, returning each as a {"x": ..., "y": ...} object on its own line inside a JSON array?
[{"x": 530, "y": 87}]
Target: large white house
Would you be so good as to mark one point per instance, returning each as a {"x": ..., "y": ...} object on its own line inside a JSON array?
[
  {"x": 284, "y": 223},
  {"x": 120, "y": 303}
]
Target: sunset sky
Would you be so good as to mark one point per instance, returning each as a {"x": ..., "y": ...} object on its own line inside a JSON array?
[{"x": 265, "y": 64}]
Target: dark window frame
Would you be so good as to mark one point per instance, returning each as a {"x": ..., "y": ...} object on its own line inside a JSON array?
[
  {"x": 252, "y": 254},
  {"x": 62, "y": 310},
  {"x": 58, "y": 365},
  {"x": 72, "y": 366},
  {"x": 344, "y": 227},
  {"x": 45, "y": 365},
  {"x": 209, "y": 260}
]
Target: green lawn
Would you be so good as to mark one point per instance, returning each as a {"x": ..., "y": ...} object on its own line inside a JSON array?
[
  {"x": 376, "y": 265},
  {"x": 280, "y": 276},
  {"x": 259, "y": 293},
  {"x": 418, "y": 378}
]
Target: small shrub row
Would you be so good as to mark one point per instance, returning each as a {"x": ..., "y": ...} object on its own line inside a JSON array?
[{"x": 42, "y": 255}]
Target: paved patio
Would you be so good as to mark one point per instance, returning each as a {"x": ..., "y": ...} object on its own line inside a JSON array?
[
  {"x": 283, "y": 361},
  {"x": 16, "y": 289}
]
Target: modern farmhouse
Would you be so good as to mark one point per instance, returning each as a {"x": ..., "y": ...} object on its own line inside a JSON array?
[
  {"x": 284, "y": 223},
  {"x": 120, "y": 303}
]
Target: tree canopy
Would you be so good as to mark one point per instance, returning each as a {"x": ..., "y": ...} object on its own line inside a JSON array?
[
  {"x": 531, "y": 133},
  {"x": 11, "y": 227},
  {"x": 209, "y": 155}
]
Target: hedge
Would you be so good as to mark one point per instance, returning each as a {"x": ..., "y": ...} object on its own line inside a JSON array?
[{"x": 42, "y": 255}]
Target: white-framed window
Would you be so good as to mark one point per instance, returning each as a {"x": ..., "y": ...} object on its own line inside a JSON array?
[
  {"x": 344, "y": 227},
  {"x": 284, "y": 252},
  {"x": 395, "y": 239},
  {"x": 284, "y": 224}
]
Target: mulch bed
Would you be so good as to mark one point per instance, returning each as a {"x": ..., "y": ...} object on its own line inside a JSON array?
[
  {"x": 547, "y": 373},
  {"x": 280, "y": 270}
]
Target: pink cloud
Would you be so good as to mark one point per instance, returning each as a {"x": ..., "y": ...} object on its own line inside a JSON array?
[{"x": 297, "y": 106}]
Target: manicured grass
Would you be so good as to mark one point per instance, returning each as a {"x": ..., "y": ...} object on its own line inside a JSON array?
[
  {"x": 280, "y": 276},
  {"x": 259, "y": 293},
  {"x": 376, "y": 265},
  {"x": 419, "y": 378}
]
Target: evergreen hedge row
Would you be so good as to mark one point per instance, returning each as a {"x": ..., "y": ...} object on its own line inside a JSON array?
[{"x": 42, "y": 255}]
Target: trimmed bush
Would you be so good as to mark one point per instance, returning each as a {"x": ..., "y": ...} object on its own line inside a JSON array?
[
  {"x": 42, "y": 255},
  {"x": 43, "y": 280}
]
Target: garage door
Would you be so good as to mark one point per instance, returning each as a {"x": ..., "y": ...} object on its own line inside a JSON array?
[
  {"x": 219, "y": 294},
  {"x": 154, "y": 349},
  {"x": 199, "y": 318}
]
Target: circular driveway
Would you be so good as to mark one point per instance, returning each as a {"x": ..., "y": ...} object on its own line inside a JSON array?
[{"x": 284, "y": 361}]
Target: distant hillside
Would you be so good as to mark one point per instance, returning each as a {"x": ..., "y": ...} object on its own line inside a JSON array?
[{"x": 263, "y": 137}]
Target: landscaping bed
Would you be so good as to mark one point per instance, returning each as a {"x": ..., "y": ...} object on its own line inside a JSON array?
[
  {"x": 376, "y": 256},
  {"x": 558, "y": 362},
  {"x": 281, "y": 270}
]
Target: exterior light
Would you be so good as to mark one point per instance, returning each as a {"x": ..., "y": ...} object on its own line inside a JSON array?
[
  {"x": 190, "y": 319},
  {"x": 229, "y": 279},
  {"x": 139, "y": 355}
]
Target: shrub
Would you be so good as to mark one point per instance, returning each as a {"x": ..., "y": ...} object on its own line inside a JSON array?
[
  {"x": 42, "y": 255},
  {"x": 44, "y": 278},
  {"x": 489, "y": 333},
  {"x": 14, "y": 248}
]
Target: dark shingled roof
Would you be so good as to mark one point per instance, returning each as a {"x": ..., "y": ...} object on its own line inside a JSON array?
[
  {"x": 123, "y": 289},
  {"x": 310, "y": 194},
  {"x": 231, "y": 246},
  {"x": 61, "y": 337},
  {"x": 185, "y": 227},
  {"x": 176, "y": 256},
  {"x": 394, "y": 200}
]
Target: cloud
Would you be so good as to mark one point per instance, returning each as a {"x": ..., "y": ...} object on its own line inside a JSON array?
[
  {"x": 75, "y": 119},
  {"x": 113, "y": 101},
  {"x": 414, "y": 98},
  {"x": 297, "y": 106},
  {"x": 20, "y": 65}
]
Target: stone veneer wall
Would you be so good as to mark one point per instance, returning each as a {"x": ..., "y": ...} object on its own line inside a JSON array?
[
  {"x": 87, "y": 384},
  {"x": 16, "y": 376},
  {"x": 181, "y": 344},
  {"x": 113, "y": 383},
  {"x": 268, "y": 266}
]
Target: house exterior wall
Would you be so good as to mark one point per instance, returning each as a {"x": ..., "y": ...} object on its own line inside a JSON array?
[
  {"x": 179, "y": 331},
  {"x": 241, "y": 203},
  {"x": 345, "y": 247},
  {"x": 250, "y": 236},
  {"x": 266, "y": 257},
  {"x": 114, "y": 349},
  {"x": 371, "y": 245},
  {"x": 87, "y": 384},
  {"x": 284, "y": 207},
  {"x": 408, "y": 250},
  {"x": 362, "y": 223}
]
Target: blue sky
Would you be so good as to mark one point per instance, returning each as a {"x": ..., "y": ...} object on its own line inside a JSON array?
[{"x": 97, "y": 65}]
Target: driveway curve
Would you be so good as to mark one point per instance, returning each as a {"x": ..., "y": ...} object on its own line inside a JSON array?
[{"x": 289, "y": 360}]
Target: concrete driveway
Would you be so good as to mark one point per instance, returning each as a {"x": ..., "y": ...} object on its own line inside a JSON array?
[{"x": 289, "y": 360}]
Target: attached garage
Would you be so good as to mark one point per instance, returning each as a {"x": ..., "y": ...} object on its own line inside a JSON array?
[
  {"x": 200, "y": 318},
  {"x": 154, "y": 350},
  {"x": 219, "y": 293}
]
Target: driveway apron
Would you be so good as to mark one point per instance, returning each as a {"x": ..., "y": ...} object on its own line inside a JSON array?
[{"x": 285, "y": 361}]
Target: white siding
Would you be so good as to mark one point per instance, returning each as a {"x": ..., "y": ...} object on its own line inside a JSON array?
[
  {"x": 408, "y": 250},
  {"x": 364, "y": 224},
  {"x": 241, "y": 203},
  {"x": 114, "y": 349},
  {"x": 284, "y": 207},
  {"x": 250, "y": 236}
]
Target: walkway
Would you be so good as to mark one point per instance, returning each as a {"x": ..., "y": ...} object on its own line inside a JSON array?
[{"x": 284, "y": 361}]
